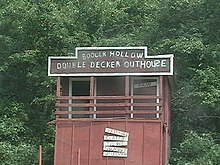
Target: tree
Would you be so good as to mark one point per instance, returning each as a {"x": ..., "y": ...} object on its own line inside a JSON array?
[{"x": 197, "y": 150}]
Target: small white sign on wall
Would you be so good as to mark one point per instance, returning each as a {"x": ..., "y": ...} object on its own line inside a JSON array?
[
  {"x": 117, "y": 149},
  {"x": 116, "y": 132},
  {"x": 116, "y": 138},
  {"x": 105, "y": 143},
  {"x": 115, "y": 154}
]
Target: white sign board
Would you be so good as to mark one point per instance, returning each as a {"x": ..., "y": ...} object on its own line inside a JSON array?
[
  {"x": 116, "y": 138},
  {"x": 110, "y": 61},
  {"x": 117, "y": 149},
  {"x": 116, "y": 132},
  {"x": 115, "y": 154},
  {"x": 105, "y": 143}
]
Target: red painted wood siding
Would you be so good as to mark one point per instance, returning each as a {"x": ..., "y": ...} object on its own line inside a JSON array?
[{"x": 80, "y": 142}]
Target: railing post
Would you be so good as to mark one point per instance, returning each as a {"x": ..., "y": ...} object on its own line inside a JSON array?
[
  {"x": 58, "y": 92},
  {"x": 92, "y": 90},
  {"x": 127, "y": 90}
]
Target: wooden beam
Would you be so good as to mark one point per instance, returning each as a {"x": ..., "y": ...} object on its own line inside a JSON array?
[{"x": 58, "y": 86}]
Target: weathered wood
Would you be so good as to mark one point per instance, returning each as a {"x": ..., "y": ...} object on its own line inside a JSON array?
[
  {"x": 109, "y": 112},
  {"x": 108, "y": 97},
  {"x": 63, "y": 105}
]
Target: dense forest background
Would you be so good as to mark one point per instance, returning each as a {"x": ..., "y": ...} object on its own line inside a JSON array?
[{"x": 32, "y": 30}]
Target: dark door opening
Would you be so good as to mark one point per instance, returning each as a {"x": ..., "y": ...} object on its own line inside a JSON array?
[{"x": 79, "y": 87}]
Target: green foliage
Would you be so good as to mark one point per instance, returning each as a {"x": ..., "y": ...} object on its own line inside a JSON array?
[
  {"x": 12, "y": 119},
  {"x": 17, "y": 154},
  {"x": 184, "y": 28},
  {"x": 14, "y": 147},
  {"x": 207, "y": 82},
  {"x": 197, "y": 150},
  {"x": 27, "y": 96}
]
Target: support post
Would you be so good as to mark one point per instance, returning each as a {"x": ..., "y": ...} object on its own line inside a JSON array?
[
  {"x": 58, "y": 92},
  {"x": 40, "y": 155},
  {"x": 58, "y": 86},
  {"x": 78, "y": 156},
  {"x": 127, "y": 89}
]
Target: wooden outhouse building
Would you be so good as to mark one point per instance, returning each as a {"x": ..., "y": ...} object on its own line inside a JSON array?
[{"x": 112, "y": 106}]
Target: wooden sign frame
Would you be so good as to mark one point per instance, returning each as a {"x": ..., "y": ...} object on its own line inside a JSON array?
[{"x": 110, "y": 61}]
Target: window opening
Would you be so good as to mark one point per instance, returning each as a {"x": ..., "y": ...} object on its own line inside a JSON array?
[
  {"x": 110, "y": 86},
  {"x": 144, "y": 86},
  {"x": 79, "y": 87}
]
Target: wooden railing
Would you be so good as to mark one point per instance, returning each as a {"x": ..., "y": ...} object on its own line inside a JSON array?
[{"x": 146, "y": 107}]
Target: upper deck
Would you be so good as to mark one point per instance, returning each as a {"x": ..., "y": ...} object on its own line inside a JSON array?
[{"x": 94, "y": 98}]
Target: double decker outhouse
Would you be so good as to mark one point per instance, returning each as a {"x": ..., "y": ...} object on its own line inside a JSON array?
[{"x": 112, "y": 106}]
